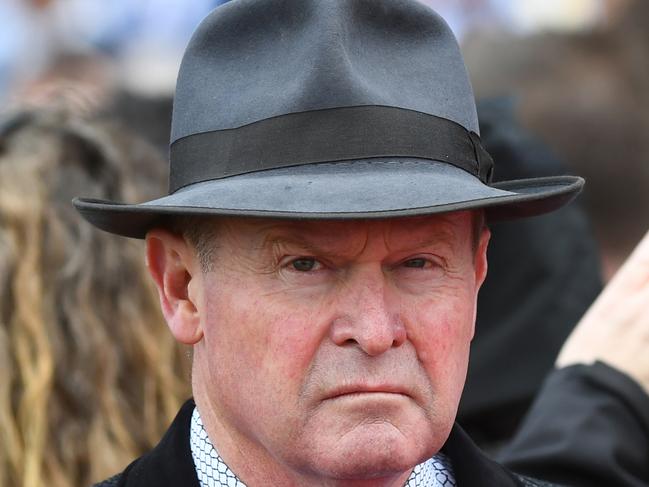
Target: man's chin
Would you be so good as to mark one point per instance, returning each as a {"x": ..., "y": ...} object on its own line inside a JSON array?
[
  {"x": 372, "y": 450},
  {"x": 368, "y": 436}
]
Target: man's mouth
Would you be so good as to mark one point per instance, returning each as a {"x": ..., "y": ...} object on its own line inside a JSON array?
[{"x": 365, "y": 389}]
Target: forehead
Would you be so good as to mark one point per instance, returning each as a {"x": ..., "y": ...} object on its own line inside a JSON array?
[{"x": 450, "y": 229}]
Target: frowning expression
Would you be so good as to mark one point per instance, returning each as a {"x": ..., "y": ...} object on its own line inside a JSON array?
[{"x": 338, "y": 349}]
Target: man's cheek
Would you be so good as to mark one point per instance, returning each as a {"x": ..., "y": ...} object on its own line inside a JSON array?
[
  {"x": 437, "y": 330},
  {"x": 288, "y": 347}
]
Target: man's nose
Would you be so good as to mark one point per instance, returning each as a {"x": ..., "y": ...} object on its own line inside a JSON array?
[{"x": 368, "y": 315}]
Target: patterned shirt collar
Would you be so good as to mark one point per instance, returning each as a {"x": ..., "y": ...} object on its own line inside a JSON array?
[{"x": 213, "y": 472}]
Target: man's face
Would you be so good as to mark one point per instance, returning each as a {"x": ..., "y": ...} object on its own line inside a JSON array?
[{"x": 339, "y": 349}]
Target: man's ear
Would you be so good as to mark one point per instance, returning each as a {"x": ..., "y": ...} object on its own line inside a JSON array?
[
  {"x": 173, "y": 265},
  {"x": 481, "y": 264}
]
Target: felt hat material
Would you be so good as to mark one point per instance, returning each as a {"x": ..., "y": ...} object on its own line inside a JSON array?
[{"x": 327, "y": 109}]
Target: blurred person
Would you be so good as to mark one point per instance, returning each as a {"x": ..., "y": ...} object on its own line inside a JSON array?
[
  {"x": 89, "y": 86},
  {"x": 590, "y": 422},
  {"x": 548, "y": 265},
  {"x": 584, "y": 95},
  {"x": 80, "y": 84},
  {"x": 88, "y": 374}
]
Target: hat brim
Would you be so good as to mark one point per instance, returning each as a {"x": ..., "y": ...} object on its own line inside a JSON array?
[{"x": 366, "y": 189}]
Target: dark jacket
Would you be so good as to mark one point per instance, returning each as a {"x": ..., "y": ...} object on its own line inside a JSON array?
[
  {"x": 170, "y": 463},
  {"x": 588, "y": 427}
]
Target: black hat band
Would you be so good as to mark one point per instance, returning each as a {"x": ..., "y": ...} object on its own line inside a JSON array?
[{"x": 330, "y": 135}]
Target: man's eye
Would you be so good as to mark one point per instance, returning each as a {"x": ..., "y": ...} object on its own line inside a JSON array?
[
  {"x": 304, "y": 264},
  {"x": 416, "y": 263}
]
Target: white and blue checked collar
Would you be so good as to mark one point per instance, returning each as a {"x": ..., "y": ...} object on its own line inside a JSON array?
[{"x": 213, "y": 472}]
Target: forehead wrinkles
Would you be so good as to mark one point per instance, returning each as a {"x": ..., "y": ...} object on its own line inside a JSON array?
[
  {"x": 343, "y": 239},
  {"x": 353, "y": 238},
  {"x": 423, "y": 232}
]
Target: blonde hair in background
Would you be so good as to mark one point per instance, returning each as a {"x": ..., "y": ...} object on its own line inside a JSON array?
[{"x": 90, "y": 377}]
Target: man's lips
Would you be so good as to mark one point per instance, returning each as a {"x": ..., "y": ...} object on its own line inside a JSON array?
[{"x": 353, "y": 390}]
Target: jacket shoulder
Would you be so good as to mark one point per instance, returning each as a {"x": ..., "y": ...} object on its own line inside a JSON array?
[{"x": 169, "y": 464}]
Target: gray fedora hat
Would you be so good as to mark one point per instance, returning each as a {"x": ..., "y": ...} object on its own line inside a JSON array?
[{"x": 332, "y": 109}]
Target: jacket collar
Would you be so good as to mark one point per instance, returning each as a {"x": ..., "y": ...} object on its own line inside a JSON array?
[
  {"x": 471, "y": 466},
  {"x": 170, "y": 463}
]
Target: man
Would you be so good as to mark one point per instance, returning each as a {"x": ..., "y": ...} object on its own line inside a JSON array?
[{"x": 322, "y": 248}]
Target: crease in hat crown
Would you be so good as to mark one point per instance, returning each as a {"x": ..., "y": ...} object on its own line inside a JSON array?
[
  {"x": 271, "y": 91},
  {"x": 303, "y": 55}
]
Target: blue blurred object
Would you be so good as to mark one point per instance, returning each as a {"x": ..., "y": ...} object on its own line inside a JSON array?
[
  {"x": 464, "y": 15},
  {"x": 149, "y": 34},
  {"x": 113, "y": 26},
  {"x": 12, "y": 38}
]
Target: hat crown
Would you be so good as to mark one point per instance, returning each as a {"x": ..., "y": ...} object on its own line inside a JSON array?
[{"x": 251, "y": 60}]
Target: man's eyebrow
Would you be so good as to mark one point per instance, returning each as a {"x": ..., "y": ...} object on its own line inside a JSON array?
[
  {"x": 277, "y": 241},
  {"x": 439, "y": 236},
  {"x": 436, "y": 237}
]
